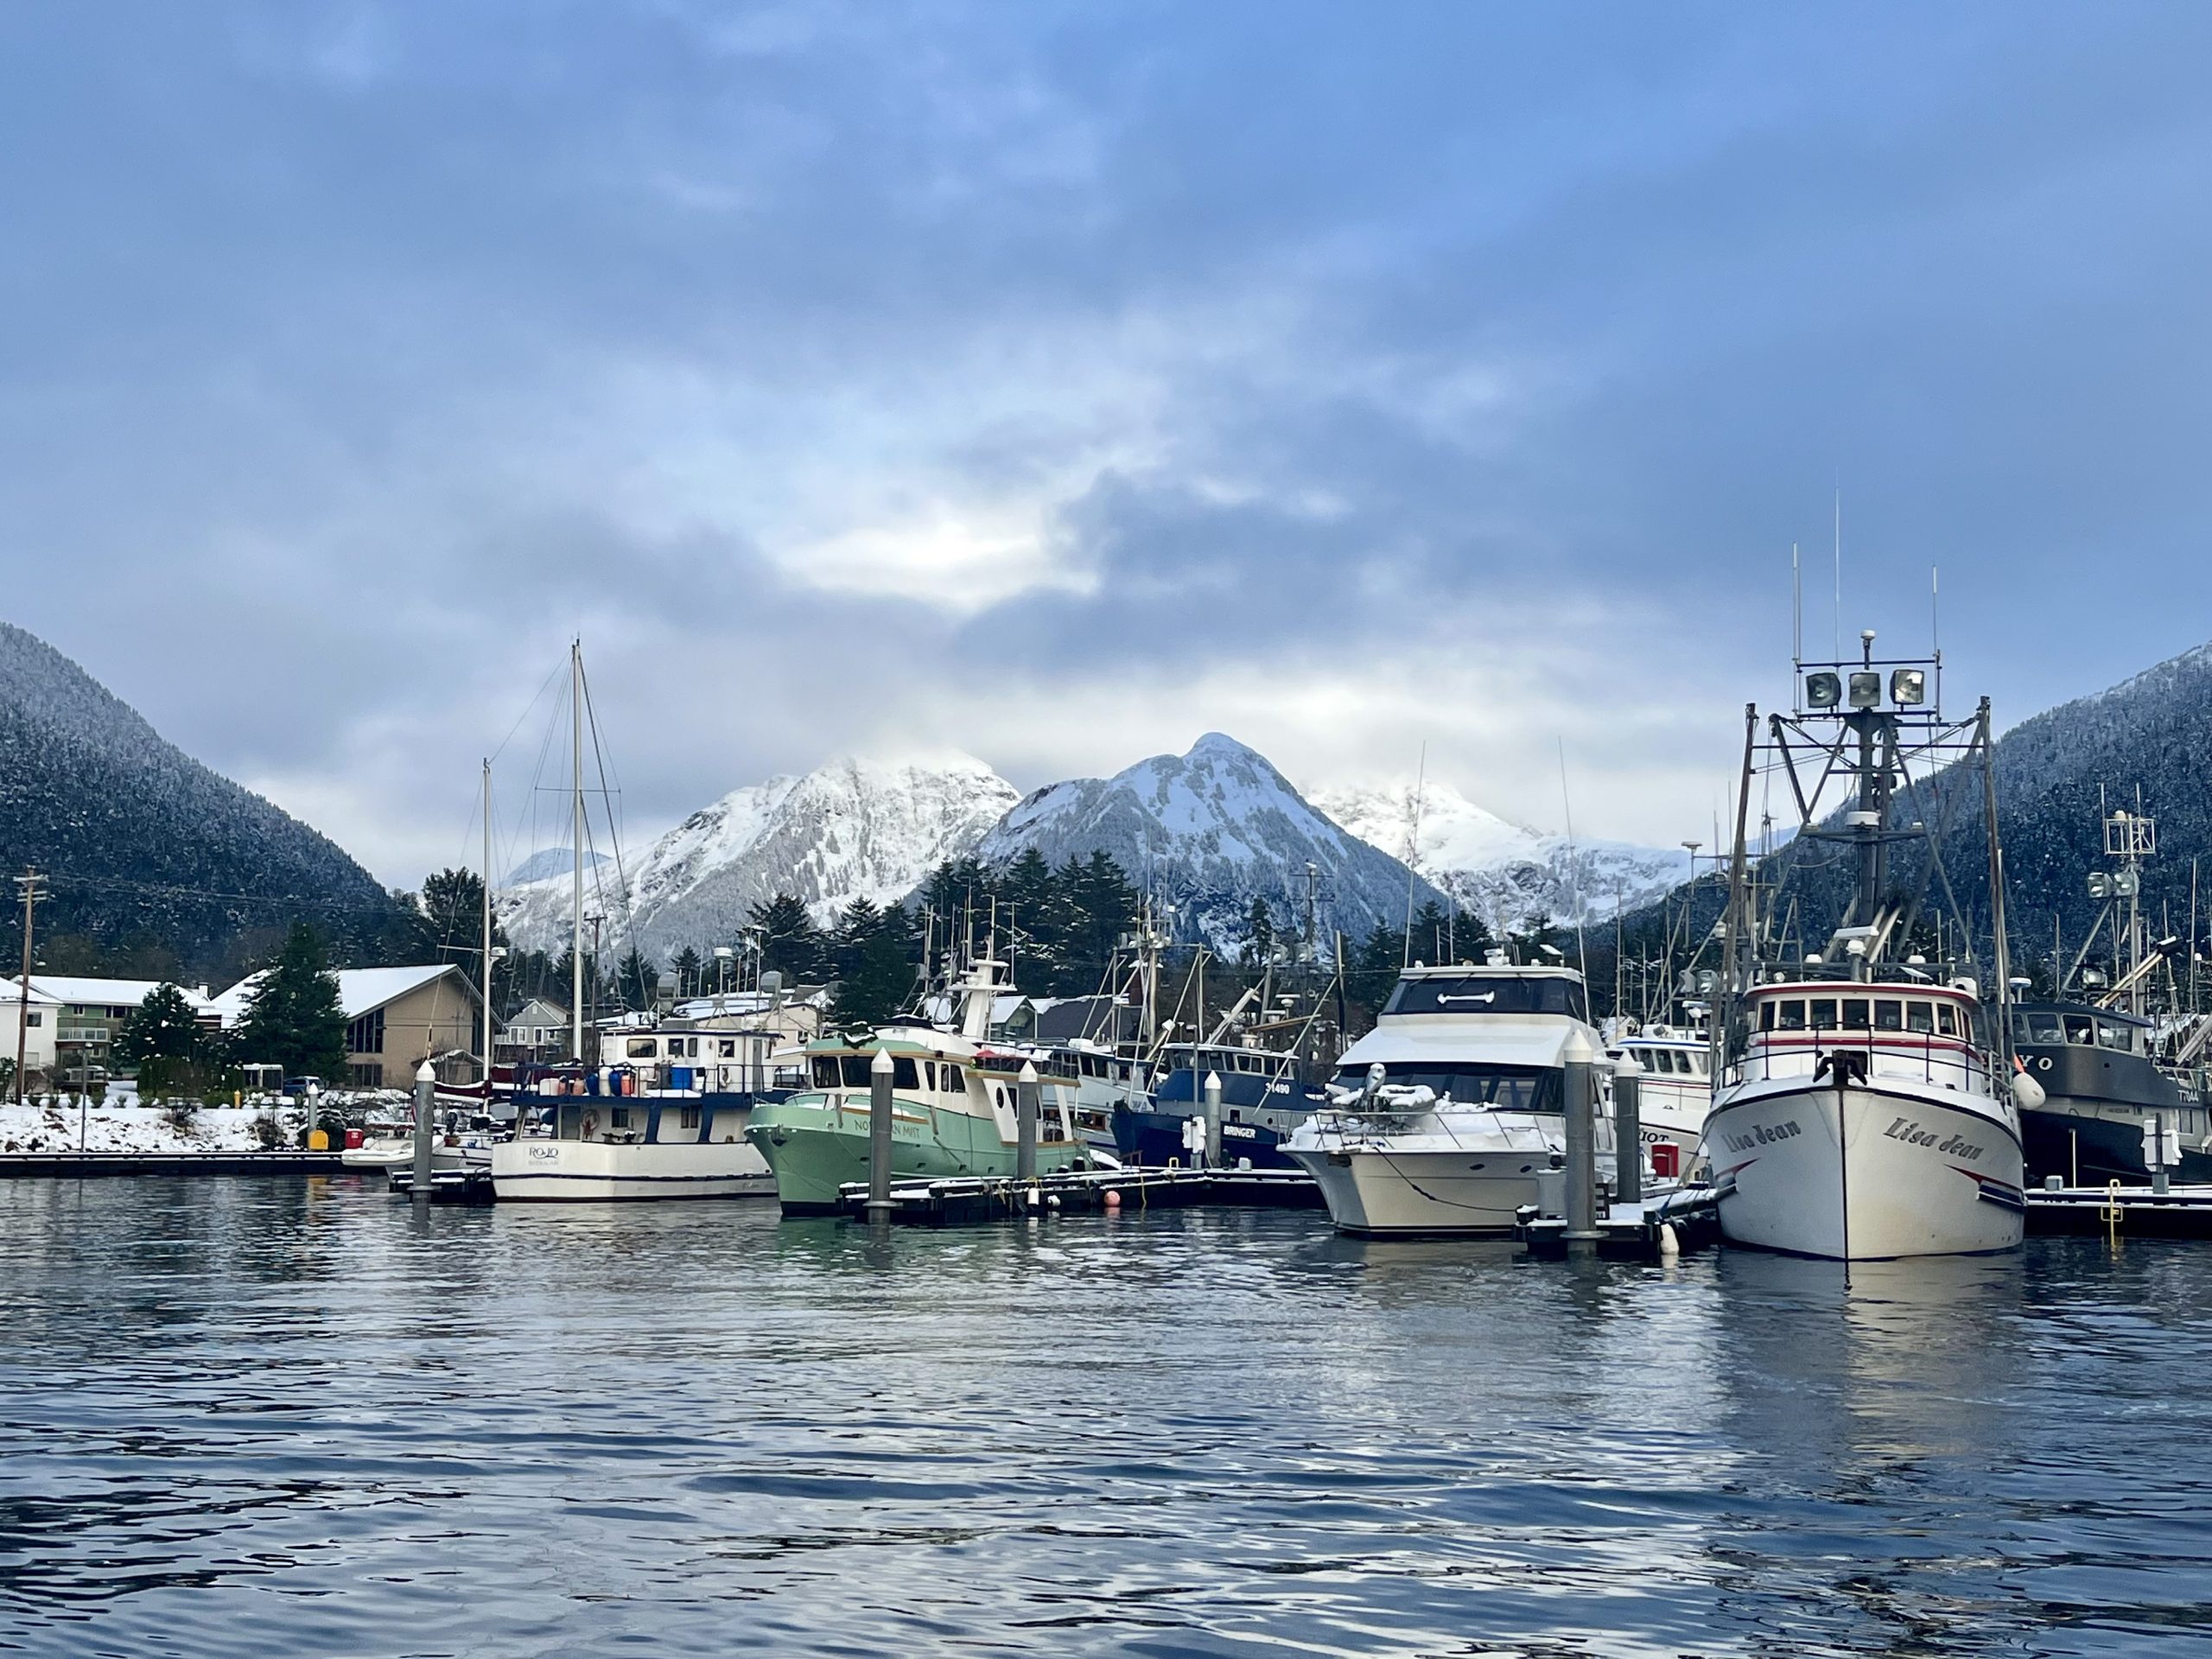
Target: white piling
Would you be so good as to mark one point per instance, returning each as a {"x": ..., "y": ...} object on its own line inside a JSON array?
[
  {"x": 1213, "y": 1120},
  {"x": 878, "y": 1137},
  {"x": 426, "y": 1106},
  {"x": 1027, "y": 1093},
  {"x": 1579, "y": 1059}
]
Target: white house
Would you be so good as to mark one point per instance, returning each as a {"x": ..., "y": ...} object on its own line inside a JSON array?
[{"x": 33, "y": 1022}]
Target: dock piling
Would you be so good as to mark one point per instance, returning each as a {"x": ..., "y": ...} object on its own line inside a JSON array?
[
  {"x": 878, "y": 1137},
  {"x": 1627, "y": 1129},
  {"x": 1026, "y": 1093},
  {"x": 426, "y": 1104},
  {"x": 1579, "y": 1061},
  {"x": 1213, "y": 1120}
]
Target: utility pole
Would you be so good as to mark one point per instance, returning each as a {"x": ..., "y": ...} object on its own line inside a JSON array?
[{"x": 32, "y": 885}]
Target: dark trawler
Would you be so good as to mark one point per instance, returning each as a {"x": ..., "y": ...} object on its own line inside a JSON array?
[{"x": 2118, "y": 1058}]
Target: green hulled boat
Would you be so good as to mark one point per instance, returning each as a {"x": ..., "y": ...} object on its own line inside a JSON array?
[{"x": 953, "y": 1105}]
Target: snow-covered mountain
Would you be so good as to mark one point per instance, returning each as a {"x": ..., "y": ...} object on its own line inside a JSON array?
[
  {"x": 1505, "y": 873},
  {"x": 854, "y": 828},
  {"x": 1210, "y": 830},
  {"x": 547, "y": 862}
]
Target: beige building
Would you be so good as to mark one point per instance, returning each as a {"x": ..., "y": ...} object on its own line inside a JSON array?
[{"x": 396, "y": 1018}]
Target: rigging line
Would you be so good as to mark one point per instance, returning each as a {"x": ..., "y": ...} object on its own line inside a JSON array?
[{"x": 521, "y": 718}]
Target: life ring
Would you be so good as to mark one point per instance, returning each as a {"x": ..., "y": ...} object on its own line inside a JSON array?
[{"x": 591, "y": 1124}]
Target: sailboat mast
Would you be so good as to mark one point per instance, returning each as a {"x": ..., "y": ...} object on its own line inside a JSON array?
[
  {"x": 577, "y": 840},
  {"x": 485, "y": 959}
]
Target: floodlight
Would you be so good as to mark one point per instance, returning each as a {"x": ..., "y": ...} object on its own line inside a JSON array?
[
  {"x": 1866, "y": 690},
  {"x": 1823, "y": 691},
  {"x": 1907, "y": 687}
]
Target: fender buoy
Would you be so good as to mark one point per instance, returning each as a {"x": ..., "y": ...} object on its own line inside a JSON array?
[{"x": 591, "y": 1124}]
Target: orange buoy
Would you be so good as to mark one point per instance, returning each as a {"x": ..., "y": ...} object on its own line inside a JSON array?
[{"x": 1112, "y": 1199}]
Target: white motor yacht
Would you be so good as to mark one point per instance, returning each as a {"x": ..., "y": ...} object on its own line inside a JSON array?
[{"x": 1450, "y": 1115}]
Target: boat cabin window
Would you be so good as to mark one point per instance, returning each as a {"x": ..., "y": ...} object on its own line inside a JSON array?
[
  {"x": 1823, "y": 1013},
  {"x": 1785, "y": 1015},
  {"x": 1854, "y": 1013},
  {"x": 2081, "y": 1029},
  {"x": 1888, "y": 1014},
  {"x": 619, "y": 1117},
  {"x": 1947, "y": 1019},
  {"x": 639, "y": 1048},
  {"x": 2117, "y": 1037},
  {"x": 688, "y": 1118},
  {"x": 825, "y": 1071},
  {"x": 1488, "y": 994},
  {"x": 904, "y": 1073},
  {"x": 1509, "y": 1088},
  {"x": 2037, "y": 1025},
  {"x": 1920, "y": 1017},
  {"x": 949, "y": 1076},
  {"x": 727, "y": 1047}
]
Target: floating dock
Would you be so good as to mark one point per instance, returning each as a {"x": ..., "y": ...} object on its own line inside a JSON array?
[
  {"x": 2121, "y": 1211},
  {"x": 962, "y": 1200},
  {"x": 1632, "y": 1232},
  {"x": 469, "y": 1187},
  {"x": 72, "y": 1166}
]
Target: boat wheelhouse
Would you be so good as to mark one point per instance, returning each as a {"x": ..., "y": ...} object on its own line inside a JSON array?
[{"x": 2109, "y": 1108}]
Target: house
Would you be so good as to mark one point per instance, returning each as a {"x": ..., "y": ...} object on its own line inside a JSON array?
[
  {"x": 90, "y": 1017},
  {"x": 29, "y": 1024},
  {"x": 538, "y": 1034},
  {"x": 396, "y": 1018}
]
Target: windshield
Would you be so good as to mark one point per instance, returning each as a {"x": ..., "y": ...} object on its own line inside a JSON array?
[
  {"x": 1488, "y": 994},
  {"x": 1509, "y": 1088}
]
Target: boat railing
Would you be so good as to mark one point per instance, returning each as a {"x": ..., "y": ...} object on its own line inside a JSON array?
[{"x": 1932, "y": 1059}]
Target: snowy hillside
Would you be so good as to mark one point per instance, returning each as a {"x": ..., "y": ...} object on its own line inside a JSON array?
[
  {"x": 1504, "y": 874},
  {"x": 1212, "y": 830},
  {"x": 855, "y": 828}
]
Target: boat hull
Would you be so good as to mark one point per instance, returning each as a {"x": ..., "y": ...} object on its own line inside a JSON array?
[
  {"x": 814, "y": 1150},
  {"x": 2090, "y": 1143},
  {"x": 1154, "y": 1139},
  {"x": 589, "y": 1172},
  {"x": 1869, "y": 1173},
  {"x": 1441, "y": 1194}
]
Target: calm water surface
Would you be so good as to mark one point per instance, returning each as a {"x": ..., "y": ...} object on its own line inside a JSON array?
[{"x": 267, "y": 1417}]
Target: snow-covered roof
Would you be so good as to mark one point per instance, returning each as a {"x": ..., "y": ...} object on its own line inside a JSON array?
[
  {"x": 360, "y": 990},
  {"x": 108, "y": 993}
]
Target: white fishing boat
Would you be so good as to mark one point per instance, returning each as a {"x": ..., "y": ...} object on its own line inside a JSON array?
[
  {"x": 1449, "y": 1115},
  {"x": 1858, "y": 1115}
]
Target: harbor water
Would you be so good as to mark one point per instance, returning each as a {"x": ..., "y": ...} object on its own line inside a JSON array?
[{"x": 291, "y": 1417}]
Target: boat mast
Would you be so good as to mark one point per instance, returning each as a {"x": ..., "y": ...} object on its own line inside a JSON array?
[
  {"x": 485, "y": 959},
  {"x": 576, "y": 839}
]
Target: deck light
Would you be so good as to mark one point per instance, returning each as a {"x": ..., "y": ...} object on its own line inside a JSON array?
[
  {"x": 1823, "y": 691},
  {"x": 1907, "y": 687},
  {"x": 1866, "y": 689}
]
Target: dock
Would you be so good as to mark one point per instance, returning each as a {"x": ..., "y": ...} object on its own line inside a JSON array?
[
  {"x": 1631, "y": 1232},
  {"x": 461, "y": 1186},
  {"x": 2120, "y": 1211},
  {"x": 73, "y": 1166},
  {"x": 965, "y": 1200}
]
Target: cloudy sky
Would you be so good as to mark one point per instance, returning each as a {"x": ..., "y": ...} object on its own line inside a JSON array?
[{"x": 1056, "y": 383}]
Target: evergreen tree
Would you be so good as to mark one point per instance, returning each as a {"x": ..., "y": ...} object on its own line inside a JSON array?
[
  {"x": 877, "y": 969},
  {"x": 452, "y": 918},
  {"x": 636, "y": 980},
  {"x": 295, "y": 1020},
  {"x": 1374, "y": 966},
  {"x": 791, "y": 944},
  {"x": 172, "y": 1052},
  {"x": 688, "y": 966},
  {"x": 1260, "y": 933}
]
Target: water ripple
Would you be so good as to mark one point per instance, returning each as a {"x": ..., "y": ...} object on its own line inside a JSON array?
[{"x": 246, "y": 1418}]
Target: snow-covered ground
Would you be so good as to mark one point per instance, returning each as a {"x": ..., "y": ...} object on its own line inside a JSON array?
[
  {"x": 121, "y": 1124},
  {"x": 30, "y": 1128}
]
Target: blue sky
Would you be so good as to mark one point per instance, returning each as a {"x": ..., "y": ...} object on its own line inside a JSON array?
[{"x": 1058, "y": 382}]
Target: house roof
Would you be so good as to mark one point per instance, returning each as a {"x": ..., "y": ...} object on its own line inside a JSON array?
[
  {"x": 112, "y": 993},
  {"x": 360, "y": 990}
]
